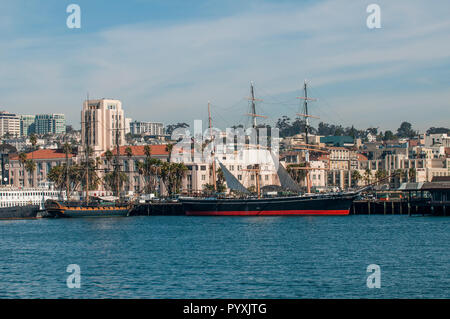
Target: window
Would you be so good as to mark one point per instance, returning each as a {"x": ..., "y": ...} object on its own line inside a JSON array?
[
  {"x": 240, "y": 177},
  {"x": 203, "y": 177}
]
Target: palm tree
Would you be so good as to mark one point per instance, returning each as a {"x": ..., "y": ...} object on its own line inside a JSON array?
[
  {"x": 30, "y": 167},
  {"x": 356, "y": 177},
  {"x": 367, "y": 175},
  {"x": 33, "y": 140},
  {"x": 129, "y": 152},
  {"x": 147, "y": 151},
  {"x": 169, "y": 148},
  {"x": 22, "y": 161},
  {"x": 297, "y": 174},
  {"x": 379, "y": 175},
  {"x": 109, "y": 156}
]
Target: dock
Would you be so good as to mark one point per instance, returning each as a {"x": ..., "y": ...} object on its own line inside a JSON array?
[{"x": 399, "y": 207}]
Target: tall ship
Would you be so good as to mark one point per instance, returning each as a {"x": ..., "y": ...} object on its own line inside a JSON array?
[
  {"x": 95, "y": 206},
  {"x": 251, "y": 204},
  {"x": 24, "y": 203}
]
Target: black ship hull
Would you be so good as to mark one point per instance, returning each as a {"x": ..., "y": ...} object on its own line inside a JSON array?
[
  {"x": 280, "y": 206},
  {"x": 19, "y": 212},
  {"x": 60, "y": 209}
]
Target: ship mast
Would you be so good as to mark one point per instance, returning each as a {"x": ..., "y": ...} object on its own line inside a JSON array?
[
  {"x": 256, "y": 167},
  {"x": 86, "y": 148},
  {"x": 306, "y": 116},
  {"x": 212, "y": 149},
  {"x": 116, "y": 166}
]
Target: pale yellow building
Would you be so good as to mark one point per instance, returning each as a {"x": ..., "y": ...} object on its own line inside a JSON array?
[{"x": 103, "y": 119}]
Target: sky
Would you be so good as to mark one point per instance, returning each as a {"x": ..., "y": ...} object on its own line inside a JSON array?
[{"x": 165, "y": 59}]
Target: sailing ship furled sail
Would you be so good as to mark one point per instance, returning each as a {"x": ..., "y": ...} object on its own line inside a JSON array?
[{"x": 321, "y": 204}]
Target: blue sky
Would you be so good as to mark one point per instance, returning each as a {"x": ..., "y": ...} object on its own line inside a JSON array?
[{"x": 166, "y": 59}]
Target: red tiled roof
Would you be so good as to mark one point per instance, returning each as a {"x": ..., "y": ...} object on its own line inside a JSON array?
[
  {"x": 139, "y": 150},
  {"x": 43, "y": 154},
  {"x": 362, "y": 157}
]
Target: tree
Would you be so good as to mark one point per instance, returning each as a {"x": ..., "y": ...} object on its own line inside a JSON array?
[
  {"x": 129, "y": 152},
  {"x": 438, "y": 130},
  {"x": 388, "y": 136},
  {"x": 367, "y": 175},
  {"x": 60, "y": 175},
  {"x": 22, "y": 161},
  {"x": 297, "y": 175},
  {"x": 172, "y": 175},
  {"x": 109, "y": 156},
  {"x": 379, "y": 175},
  {"x": 110, "y": 180},
  {"x": 173, "y": 127},
  {"x": 356, "y": 177},
  {"x": 30, "y": 166},
  {"x": 33, "y": 141},
  {"x": 169, "y": 148},
  {"x": 405, "y": 130}
]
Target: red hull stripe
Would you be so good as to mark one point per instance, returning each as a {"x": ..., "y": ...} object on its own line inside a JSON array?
[{"x": 268, "y": 212}]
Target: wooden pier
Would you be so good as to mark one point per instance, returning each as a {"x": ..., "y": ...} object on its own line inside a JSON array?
[{"x": 399, "y": 207}]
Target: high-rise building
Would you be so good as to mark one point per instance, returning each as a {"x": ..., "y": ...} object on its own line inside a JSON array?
[
  {"x": 102, "y": 120},
  {"x": 50, "y": 124},
  {"x": 27, "y": 125},
  {"x": 147, "y": 128},
  {"x": 9, "y": 124}
]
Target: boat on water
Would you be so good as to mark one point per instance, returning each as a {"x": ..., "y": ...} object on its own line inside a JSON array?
[
  {"x": 250, "y": 205},
  {"x": 95, "y": 208},
  {"x": 19, "y": 212},
  {"x": 338, "y": 204},
  {"x": 24, "y": 203}
]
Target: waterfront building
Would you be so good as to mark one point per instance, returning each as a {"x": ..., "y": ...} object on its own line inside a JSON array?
[
  {"x": 27, "y": 124},
  {"x": 45, "y": 159},
  {"x": 129, "y": 163},
  {"x": 9, "y": 124},
  {"x": 103, "y": 119}
]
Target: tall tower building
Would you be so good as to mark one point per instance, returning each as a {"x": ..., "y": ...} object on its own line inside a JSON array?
[{"x": 101, "y": 120}]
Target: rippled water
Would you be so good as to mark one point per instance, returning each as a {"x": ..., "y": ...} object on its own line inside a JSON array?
[{"x": 226, "y": 257}]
